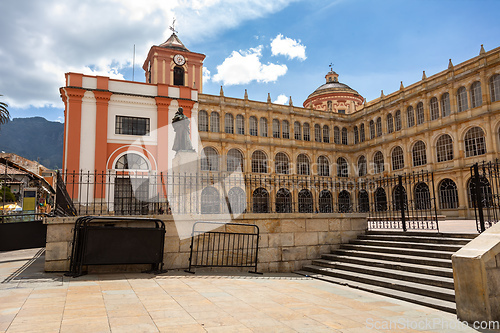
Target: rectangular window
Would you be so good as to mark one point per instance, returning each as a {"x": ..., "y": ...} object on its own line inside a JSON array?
[
  {"x": 132, "y": 125},
  {"x": 342, "y": 111}
]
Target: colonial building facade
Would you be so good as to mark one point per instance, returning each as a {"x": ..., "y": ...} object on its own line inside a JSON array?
[{"x": 442, "y": 124}]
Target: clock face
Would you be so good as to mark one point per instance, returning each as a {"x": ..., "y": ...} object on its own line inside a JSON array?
[{"x": 179, "y": 59}]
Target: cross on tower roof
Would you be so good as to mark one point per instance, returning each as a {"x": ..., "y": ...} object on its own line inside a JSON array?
[
  {"x": 172, "y": 27},
  {"x": 331, "y": 66}
]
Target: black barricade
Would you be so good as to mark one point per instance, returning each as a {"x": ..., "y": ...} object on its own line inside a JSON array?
[
  {"x": 484, "y": 193},
  {"x": 215, "y": 244},
  {"x": 106, "y": 241}
]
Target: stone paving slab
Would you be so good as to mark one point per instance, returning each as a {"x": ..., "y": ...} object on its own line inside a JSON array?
[{"x": 33, "y": 301}]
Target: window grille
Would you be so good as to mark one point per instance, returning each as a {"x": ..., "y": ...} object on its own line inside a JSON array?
[
  {"x": 448, "y": 194},
  {"x": 378, "y": 162},
  {"x": 336, "y": 135},
  {"x": 362, "y": 166},
  {"x": 209, "y": 159},
  {"x": 283, "y": 201},
  {"x": 285, "y": 127},
  {"x": 214, "y": 122},
  {"x": 379, "y": 126},
  {"x": 356, "y": 135},
  {"x": 344, "y": 136},
  {"x": 234, "y": 160},
  {"x": 323, "y": 166},
  {"x": 342, "y": 167},
  {"x": 317, "y": 133},
  {"x": 445, "y": 105},
  {"x": 362, "y": 133},
  {"x": 495, "y": 87},
  {"x": 240, "y": 124},
  {"x": 237, "y": 200},
  {"x": 276, "y": 128},
  {"x": 259, "y": 162},
  {"x": 305, "y": 201},
  {"x": 131, "y": 162},
  {"x": 462, "y": 99},
  {"x": 253, "y": 126},
  {"x": 210, "y": 201},
  {"x": 474, "y": 142},
  {"x": 486, "y": 194},
  {"x": 263, "y": 127},
  {"x": 203, "y": 121},
  {"x": 444, "y": 148},
  {"x": 476, "y": 96},
  {"x": 260, "y": 200},
  {"x": 422, "y": 197},
  {"x": 326, "y": 134},
  {"x": 372, "y": 129},
  {"x": 380, "y": 200},
  {"x": 325, "y": 202},
  {"x": 303, "y": 165},
  {"x": 131, "y": 125},
  {"x": 397, "y": 121},
  {"x": 420, "y": 113},
  {"x": 434, "y": 108},
  {"x": 397, "y": 158},
  {"x": 229, "y": 123},
  {"x": 390, "y": 123},
  {"x": 281, "y": 164},
  {"x": 344, "y": 202},
  {"x": 307, "y": 132},
  {"x": 410, "y": 116},
  {"x": 297, "y": 131},
  {"x": 419, "y": 154},
  {"x": 363, "y": 201}
]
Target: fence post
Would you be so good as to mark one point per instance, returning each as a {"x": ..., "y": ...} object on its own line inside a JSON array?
[
  {"x": 478, "y": 197},
  {"x": 401, "y": 201}
]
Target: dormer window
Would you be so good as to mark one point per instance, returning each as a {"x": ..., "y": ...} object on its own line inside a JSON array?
[{"x": 178, "y": 76}]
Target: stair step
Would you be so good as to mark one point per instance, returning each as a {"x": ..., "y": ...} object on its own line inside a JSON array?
[
  {"x": 431, "y": 280},
  {"x": 401, "y": 295},
  {"x": 406, "y": 286},
  {"x": 397, "y": 265},
  {"x": 421, "y": 233},
  {"x": 399, "y": 251},
  {"x": 406, "y": 244},
  {"x": 417, "y": 239},
  {"x": 437, "y": 262}
]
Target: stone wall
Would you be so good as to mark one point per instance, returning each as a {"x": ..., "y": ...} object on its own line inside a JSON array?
[
  {"x": 287, "y": 241},
  {"x": 476, "y": 271}
]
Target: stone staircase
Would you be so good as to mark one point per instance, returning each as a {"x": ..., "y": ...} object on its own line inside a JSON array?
[{"x": 411, "y": 266}]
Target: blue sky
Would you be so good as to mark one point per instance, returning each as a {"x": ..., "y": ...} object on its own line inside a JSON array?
[{"x": 373, "y": 44}]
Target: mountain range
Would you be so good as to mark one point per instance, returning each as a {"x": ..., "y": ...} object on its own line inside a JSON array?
[{"x": 36, "y": 139}]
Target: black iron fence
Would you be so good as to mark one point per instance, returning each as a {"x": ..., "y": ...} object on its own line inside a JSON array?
[
  {"x": 216, "y": 244},
  {"x": 485, "y": 193}
]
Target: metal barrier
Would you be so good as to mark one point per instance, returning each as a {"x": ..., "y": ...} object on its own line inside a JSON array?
[
  {"x": 22, "y": 231},
  {"x": 216, "y": 244},
  {"x": 104, "y": 243},
  {"x": 484, "y": 193}
]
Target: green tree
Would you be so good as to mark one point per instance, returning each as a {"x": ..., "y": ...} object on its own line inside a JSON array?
[
  {"x": 9, "y": 196},
  {"x": 4, "y": 113}
]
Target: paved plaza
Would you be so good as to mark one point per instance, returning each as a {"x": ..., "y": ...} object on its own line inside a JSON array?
[{"x": 34, "y": 301}]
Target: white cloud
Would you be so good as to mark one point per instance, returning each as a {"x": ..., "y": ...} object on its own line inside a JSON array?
[
  {"x": 206, "y": 75},
  {"x": 245, "y": 66},
  {"x": 42, "y": 40},
  {"x": 281, "y": 99},
  {"x": 288, "y": 47}
]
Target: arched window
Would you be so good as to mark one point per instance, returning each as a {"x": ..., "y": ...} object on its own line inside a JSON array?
[
  {"x": 378, "y": 162},
  {"x": 229, "y": 123},
  {"x": 356, "y": 135},
  {"x": 234, "y": 160},
  {"x": 474, "y": 142},
  {"x": 372, "y": 129},
  {"x": 379, "y": 126},
  {"x": 380, "y": 200},
  {"x": 419, "y": 154},
  {"x": 410, "y": 116},
  {"x": 495, "y": 87},
  {"x": 342, "y": 167},
  {"x": 305, "y": 201},
  {"x": 281, "y": 164},
  {"x": 263, "y": 127},
  {"x": 303, "y": 165},
  {"x": 420, "y": 113},
  {"x": 462, "y": 99},
  {"x": 325, "y": 201},
  {"x": 178, "y": 76},
  {"x": 237, "y": 200},
  {"x": 326, "y": 134},
  {"x": 448, "y": 194},
  {"x": 260, "y": 200},
  {"x": 336, "y": 135},
  {"x": 317, "y": 133},
  {"x": 397, "y": 121},
  {"x": 398, "y": 161},
  {"x": 259, "y": 162},
  {"x": 344, "y": 202},
  {"x": 253, "y": 126},
  {"x": 283, "y": 201},
  {"x": 390, "y": 123},
  {"x": 240, "y": 124},
  {"x": 476, "y": 96},
  {"x": 445, "y": 105},
  {"x": 362, "y": 133},
  {"x": 397, "y": 192},
  {"x": 444, "y": 148},
  {"x": 307, "y": 132},
  {"x": 323, "y": 166},
  {"x": 276, "y": 128},
  {"x": 363, "y": 201},
  {"x": 214, "y": 122},
  {"x": 131, "y": 161},
  {"x": 434, "y": 108},
  {"x": 361, "y": 166},
  {"x": 209, "y": 159},
  {"x": 422, "y": 196},
  {"x": 286, "y": 129},
  {"x": 344, "y": 136},
  {"x": 485, "y": 191},
  {"x": 203, "y": 121},
  {"x": 210, "y": 201},
  {"x": 297, "y": 131}
]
